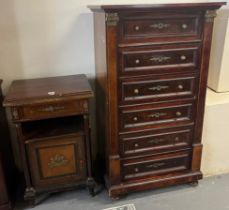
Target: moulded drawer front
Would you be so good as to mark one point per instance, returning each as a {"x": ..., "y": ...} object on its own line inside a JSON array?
[
  {"x": 139, "y": 60},
  {"x": 144, "y": 116},
  {"x": 142, "y": 89},
  {"x": 156, "y": 142},
  {"x": 165, "y": 25},
  {"x": 54, "y": 109},
  {"x": 59, "y": 160},
  {"x": 140, "y": 167}
]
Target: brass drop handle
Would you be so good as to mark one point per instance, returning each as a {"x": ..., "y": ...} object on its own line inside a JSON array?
[
  {"x": 180, "y": 87},
  {"x": 135, "y": 119},
  {"x": 137, "y": 61},
  {"x": 136, "y": 91},
  {"x": 183, "y": 57},
  {"x": 184, "y": 26},
  {"x": 137, "y": 28},
  {"x": 178, "y": 114}
]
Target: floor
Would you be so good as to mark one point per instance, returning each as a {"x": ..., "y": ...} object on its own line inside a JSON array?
[{"x": 212, "y": 193}]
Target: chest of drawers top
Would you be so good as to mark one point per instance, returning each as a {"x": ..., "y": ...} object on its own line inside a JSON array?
[{"x": 158, "y": 23}]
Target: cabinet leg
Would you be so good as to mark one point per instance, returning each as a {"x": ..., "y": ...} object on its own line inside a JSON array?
[
  {"x": 194, "y": 183},
  {"x": 30, "y": 193},
  {"x": 91, "y": 186}
]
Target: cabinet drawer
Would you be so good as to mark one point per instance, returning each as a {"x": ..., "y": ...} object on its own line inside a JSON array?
[
  {"x": 148, "y": 25},
  {"x": 140, "y": 167},
  {"x": 156, "y": 142},
  {"x": 48, "y": 110},
  {"x": 146, "y": 115},
  {"x": 57, "y": 161},
  {"x": 156, "y": 89},
  {"x": 159, "y": 59}
]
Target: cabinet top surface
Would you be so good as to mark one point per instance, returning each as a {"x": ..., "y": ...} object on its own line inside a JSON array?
[
  {"x": 48, "y": 89},
  {"x": 110, "y": 8}
]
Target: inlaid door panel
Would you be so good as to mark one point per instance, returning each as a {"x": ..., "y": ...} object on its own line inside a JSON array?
[{"x": 59, "y": 160}]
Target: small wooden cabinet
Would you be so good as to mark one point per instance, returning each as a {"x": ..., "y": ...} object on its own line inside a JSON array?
[
  {"x": 151, "y": 66},
  {"x": 52, "y": 122}
]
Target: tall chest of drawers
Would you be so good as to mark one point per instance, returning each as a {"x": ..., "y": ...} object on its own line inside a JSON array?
[{"x": 151, "y": 66}]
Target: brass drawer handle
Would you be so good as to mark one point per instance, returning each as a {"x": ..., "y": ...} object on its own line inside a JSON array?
[
  {"x": 156, "y": 141},
  {"x": 137, "y": 61},
  {"x": 52, "y": 108},
  {"x": 135, "y": 119},
  {"x": 180, "y": 87},
  {"x": 159, "y": 87},
  {"x": 160, "y": 59},
  {"x": 157, "y": 114},
  {"x": 184, "y": 26},
  {"x": 159, "y": 25},
  {"x": 178, "y": 114},
  {"x": 183, "y": 57},
  {"x": 136, "y": 28},
  {"x": 136, "y": 91},
  {"x": 155, "y": 165}
]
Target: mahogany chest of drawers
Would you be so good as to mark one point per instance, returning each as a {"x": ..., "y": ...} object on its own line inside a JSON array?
[
  {"x": 151, "y": 66},
  {"x": 52, "y": 123}
]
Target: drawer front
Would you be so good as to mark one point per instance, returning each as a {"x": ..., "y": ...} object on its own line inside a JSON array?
[
  {"x": 160, "y": 26},
  {"x": 168, "y": 59},
  {"x": 156, "y": 142},
  {"x": 137, "y": 168},
  {"x": 57, "y": 161},
  {"x": 31, "y": 112},
  {"x": 144, "y": 116},
  {"x": 148, "y": 89}
]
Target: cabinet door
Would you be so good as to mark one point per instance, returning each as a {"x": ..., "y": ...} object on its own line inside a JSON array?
[{"x": 57, "y": 161}]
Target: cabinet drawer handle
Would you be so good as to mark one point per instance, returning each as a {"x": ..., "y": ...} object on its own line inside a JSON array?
[
  {"x": 178, "y": 114},
  {"x": 135, "y": 119},
  {"x": 159, "y": 87},
  {"x": 184, "y": 26},
  {"x": 157, "y": 114},
  {"x": 52, "y": 108},
  {"x": 137, "y": 61},
  {"x": 160, "y": 59},
  {"x": 136, "y": 91},
  {"x": 156, "y": 141},
  {"x": 159, "y": 25},
  {"x": 155, "y": 165},
  {"x": 180, "y": 87},
  {"x": 183, "y": 57}
]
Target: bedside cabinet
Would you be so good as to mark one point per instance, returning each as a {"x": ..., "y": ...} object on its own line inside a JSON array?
[
  {"x": 51, "y": 119},
  {"x": 151, "y": 66}
]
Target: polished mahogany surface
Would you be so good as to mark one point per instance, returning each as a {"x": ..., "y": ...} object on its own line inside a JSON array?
[{"x": 151, "y": 77}]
